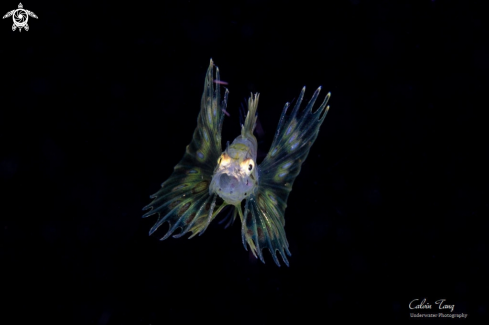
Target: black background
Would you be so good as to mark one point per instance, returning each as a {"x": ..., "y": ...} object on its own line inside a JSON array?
[{"x": 99, "y": 100}]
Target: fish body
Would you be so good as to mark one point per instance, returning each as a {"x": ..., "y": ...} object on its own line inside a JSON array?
[
  {"x": 188, "y": 200},
  {"x": 236, "y": 176}
]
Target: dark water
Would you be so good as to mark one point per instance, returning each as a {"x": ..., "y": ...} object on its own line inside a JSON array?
[{"x": 99, "y": 100}]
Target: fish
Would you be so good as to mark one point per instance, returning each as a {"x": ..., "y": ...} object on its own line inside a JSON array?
[{"x": 207, "y": 179}]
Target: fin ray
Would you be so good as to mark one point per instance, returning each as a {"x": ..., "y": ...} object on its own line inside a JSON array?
[{"x": 183, "y": 198}]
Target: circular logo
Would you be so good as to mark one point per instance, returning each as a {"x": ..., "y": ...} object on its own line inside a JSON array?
[{"x": 20, "y": 17}]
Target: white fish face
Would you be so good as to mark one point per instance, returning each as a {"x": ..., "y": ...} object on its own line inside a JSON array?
[{"x": 235, "y": 177}]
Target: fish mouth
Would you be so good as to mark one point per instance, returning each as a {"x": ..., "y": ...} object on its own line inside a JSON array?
[
  {"x": 228, "y": 186},
  {"x": 228, "y": 183}
]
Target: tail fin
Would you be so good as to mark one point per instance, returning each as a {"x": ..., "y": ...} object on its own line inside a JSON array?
[{"x": 250, "y": 122}]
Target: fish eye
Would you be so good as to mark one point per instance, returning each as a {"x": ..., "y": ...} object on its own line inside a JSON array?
[{"x": 247, "y": 166}]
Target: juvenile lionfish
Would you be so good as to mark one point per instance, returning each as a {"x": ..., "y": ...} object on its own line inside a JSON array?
[{"x": 187, "y": 200}]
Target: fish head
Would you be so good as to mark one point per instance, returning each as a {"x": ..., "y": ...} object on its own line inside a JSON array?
[{"x": 235, "y": 177}]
